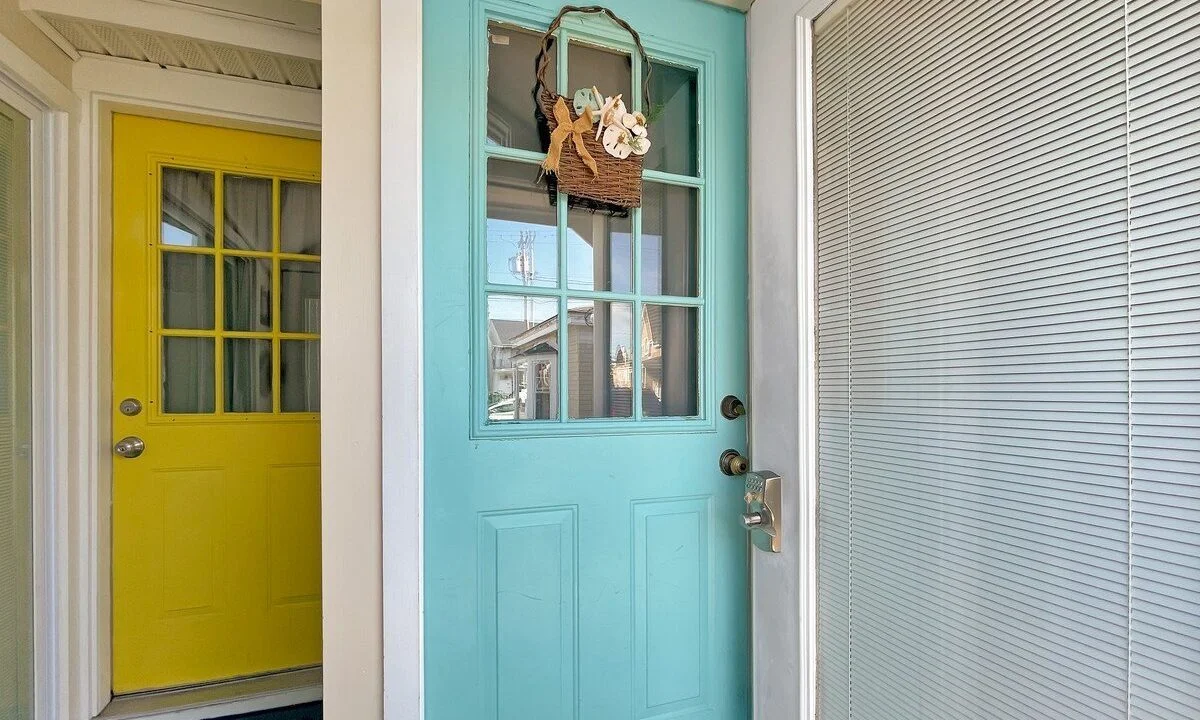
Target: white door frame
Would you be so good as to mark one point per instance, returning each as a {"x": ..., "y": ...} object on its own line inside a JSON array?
[
  {"x": 783, "y": 349},
  {"x": 104, "y": 86},
  {"x": 782, "y": 355},
  {"x": 403, "y": 409}
]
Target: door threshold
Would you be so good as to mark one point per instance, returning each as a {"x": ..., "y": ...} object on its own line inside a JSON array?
[{"x": 217, "y": 700}]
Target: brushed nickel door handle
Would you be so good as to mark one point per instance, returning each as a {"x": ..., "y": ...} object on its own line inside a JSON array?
[{"x": 129, "y": 447}]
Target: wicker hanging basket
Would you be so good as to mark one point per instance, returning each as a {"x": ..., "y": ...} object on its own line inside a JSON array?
[{"x": 616, "y": 185}]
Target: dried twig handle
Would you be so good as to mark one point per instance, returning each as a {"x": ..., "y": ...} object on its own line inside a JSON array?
[{"x": 548, "y": 38}]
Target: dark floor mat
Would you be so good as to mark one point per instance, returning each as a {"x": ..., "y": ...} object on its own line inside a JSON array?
[{"x": 311, "y": 711}]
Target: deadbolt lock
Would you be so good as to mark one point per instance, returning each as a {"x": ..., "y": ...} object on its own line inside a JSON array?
[
  {"x": 734, "y": 463},
  {"x": 732, "y": 407},
  {"x": 130, "y": 407}
]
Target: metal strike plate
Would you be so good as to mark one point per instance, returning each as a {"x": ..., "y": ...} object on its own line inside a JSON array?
[{"x": 764, "y": 507}]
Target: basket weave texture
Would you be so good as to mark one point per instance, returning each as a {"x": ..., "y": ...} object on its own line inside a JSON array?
[{"x": 617, "y": 183}]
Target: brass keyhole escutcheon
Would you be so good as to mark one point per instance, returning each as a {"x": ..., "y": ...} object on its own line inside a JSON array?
[{"x": 734, "y": 463}]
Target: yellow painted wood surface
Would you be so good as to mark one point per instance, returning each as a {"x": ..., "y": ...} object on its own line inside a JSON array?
[{"x": 216, "y": 527}]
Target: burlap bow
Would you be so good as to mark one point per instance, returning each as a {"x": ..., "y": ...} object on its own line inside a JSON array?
[{"x": 563, "y": 129}]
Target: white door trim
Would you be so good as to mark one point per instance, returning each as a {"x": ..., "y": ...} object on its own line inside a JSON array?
[
  {"x": 104, "y": 86},
  {"x": 782, "y": 350},
  {"x": 403, "y": 412}
]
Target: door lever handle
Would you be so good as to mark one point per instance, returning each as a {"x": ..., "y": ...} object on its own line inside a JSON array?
[{"x": 764, "y": 509}]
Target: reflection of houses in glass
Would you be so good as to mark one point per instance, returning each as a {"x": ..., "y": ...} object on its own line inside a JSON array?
[
  {"x": 523, "y": 372},
  {"x": 523, "y": 377},
  {"x": 669, "y": 361},
  {"x": 651, "y": 361}
]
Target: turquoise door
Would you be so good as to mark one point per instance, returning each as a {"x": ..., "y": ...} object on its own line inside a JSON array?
[{"x": 583, "y": 552}]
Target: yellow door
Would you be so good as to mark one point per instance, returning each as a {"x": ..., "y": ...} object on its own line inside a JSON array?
[{"x": 215, "y": 356}]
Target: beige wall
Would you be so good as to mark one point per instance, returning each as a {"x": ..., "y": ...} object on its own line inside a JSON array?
[
  {"x": 351, "y": 463},
  {"x": 17, "y": 28}
]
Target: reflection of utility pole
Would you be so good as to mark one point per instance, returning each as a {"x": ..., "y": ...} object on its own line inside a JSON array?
[{"x": 521, "y": 266}]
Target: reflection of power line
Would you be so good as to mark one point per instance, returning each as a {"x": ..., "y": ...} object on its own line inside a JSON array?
[{"x": 521, "y": 265}]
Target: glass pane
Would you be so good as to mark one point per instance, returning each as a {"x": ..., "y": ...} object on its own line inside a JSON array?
[
  {"x": 300, "y": 296},
  {"x": 187, "y": 291},
  {"x": 299, "y": 217},
  {"x": 247, "y": 213},
  {"x": 608, "y": 71},
  {"x": 670, "y": 217},
  {"x": 247, "y": 294},
  {"x": 674, "y": 121},
  {"x": 522, "y": 234},
  {"x": 599, "y": 252},
  {"x": 16, "y": 426},
  {"x": 670, "y": 343},
  {"x": 512, "y": 58},
  {"x": 247, "y": 376},
  {"x": 187, "y": 208},
  {"x": 522, "y": 358},
  {"x": 188, "y": 373},
  {"x": 600, "y": 359},
  {"x": 300, "y": 375}
]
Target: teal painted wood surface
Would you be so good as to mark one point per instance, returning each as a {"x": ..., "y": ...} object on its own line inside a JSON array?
[{"x": 582, "y": 568}]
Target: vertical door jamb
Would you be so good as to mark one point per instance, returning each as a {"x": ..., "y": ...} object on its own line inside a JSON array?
[{"x": 782, "y": 351}]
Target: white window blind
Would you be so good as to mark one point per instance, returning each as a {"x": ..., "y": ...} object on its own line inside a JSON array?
[
  {"x": 1008, "y": 281},
  {"x": 1164, "y": 154}
]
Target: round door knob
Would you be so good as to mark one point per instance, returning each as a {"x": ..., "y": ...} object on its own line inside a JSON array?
[
  {"x": 733, "y": 463},
  {"x": 129, "y": 447}
]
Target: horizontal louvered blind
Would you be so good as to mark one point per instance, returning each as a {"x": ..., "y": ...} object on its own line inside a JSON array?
[
  {"x": 973, "y": 212},
  {"x": 833, "y": 394},
  {"x": 1164, "y": 153}
]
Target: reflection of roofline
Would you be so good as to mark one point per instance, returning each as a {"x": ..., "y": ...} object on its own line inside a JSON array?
[
  {"x": 546, "y": 326},
  {"x": 536, "y": 331},
  {"x": 540, "y": 348}
]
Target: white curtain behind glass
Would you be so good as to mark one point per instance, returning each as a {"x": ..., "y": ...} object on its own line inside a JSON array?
[
  {"x": 188, "y": 221},
  {"x": 247, "y": 226}
]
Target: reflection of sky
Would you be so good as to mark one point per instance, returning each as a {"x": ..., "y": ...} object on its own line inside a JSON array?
[
  {"x": 503, "y": 242},
  {"x": 172, "y": 235},
  {"x": 533, "y": 310}
]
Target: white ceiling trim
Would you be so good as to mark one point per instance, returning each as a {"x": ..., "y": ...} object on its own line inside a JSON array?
[
  {"x": 257, "y": 27},
  {"x": 179, "y": 51}
]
